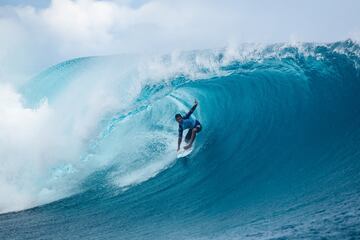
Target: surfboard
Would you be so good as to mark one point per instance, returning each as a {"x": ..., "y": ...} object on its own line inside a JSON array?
[{"x": 183, "y": 153}]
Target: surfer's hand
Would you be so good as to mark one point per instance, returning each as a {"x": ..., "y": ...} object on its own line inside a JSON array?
[
  {"x": 196, "y": 102},
  {"x": 178, "y": 149}
]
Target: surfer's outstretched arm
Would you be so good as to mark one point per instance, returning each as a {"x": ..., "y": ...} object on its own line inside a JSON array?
[{"x": 191, "y": 110}]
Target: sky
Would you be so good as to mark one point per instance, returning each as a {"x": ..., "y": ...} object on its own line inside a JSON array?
[{"x": 38, "y": 34}]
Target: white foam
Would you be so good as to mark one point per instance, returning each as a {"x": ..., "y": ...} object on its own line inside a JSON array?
[
  {"x": 40, "y": 148},
  {"x": 144, "y": 173},
  {"x": 26, "y": 139}
]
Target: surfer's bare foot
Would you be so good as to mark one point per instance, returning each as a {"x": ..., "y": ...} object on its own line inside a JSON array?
[{"x": 188, "y": 146}]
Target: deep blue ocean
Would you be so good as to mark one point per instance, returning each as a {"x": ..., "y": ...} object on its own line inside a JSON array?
[{"x": 278, "y": 156}]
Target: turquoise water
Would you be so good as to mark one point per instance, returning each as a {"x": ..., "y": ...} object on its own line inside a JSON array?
[{"x": 278, "y": 156}]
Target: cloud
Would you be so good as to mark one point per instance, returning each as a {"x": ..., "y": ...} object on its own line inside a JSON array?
[{"x": 34, "y": 38}]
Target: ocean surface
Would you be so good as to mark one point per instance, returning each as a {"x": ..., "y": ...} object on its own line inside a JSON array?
[{"x": 94, "y": 156}]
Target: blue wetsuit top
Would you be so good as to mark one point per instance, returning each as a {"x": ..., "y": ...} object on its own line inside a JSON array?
[{"x": 188, "y": 122}]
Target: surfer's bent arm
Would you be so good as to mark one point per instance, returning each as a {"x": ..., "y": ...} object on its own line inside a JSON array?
[{"x": 191, "y": 110}]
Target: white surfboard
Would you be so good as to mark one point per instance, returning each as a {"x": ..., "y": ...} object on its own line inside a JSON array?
[{"x": 184, "y": 152}]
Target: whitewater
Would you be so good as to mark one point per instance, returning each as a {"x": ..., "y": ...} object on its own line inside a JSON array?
[{"x": 88, "y": 146}]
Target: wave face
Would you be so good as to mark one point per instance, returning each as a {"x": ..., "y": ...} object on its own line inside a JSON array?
[{"x": 278, "y": 156}]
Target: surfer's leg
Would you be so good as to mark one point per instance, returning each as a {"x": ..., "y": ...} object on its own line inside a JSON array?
[
  {"x": 188, "y": 136},
  {"x": 193, "y": 135}
]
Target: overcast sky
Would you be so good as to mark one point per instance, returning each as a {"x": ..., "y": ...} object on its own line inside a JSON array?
[{"x": 37, "y": 34}]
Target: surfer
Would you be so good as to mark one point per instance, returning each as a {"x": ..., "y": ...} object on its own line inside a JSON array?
[{"x": 185, "y": 122}]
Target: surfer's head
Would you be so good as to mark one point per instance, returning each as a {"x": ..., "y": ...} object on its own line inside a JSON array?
[{"x": 178, "y": 117}]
